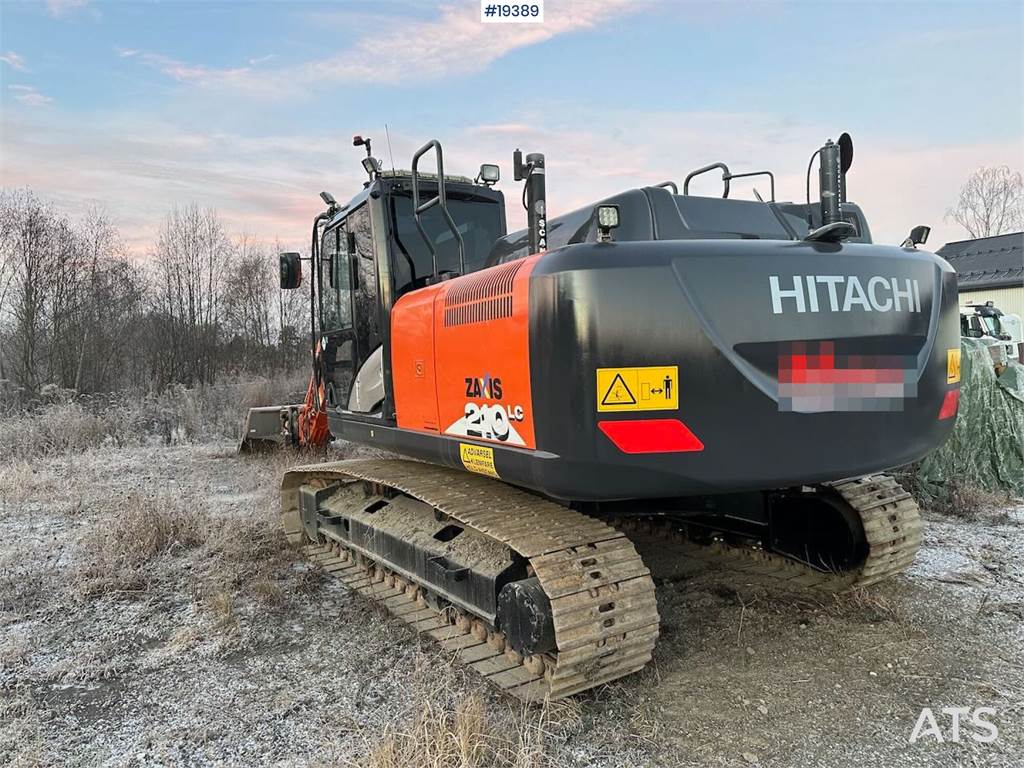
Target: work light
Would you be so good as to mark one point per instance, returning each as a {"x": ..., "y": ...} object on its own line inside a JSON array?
[
  {"x": 607, "y": 220},
  {"x": 489, "y": 174}
]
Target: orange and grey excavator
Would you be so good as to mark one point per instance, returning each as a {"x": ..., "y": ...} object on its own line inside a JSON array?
[{"x": 729, "y": 373}]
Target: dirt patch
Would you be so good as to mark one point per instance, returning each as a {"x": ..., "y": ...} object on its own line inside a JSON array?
[{"x": 210, "y": 643}]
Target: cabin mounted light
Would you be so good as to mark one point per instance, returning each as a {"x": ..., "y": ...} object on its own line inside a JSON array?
[
  {"x": 371, "y": 165},
  {"x": 607, "y": 220},
  {"x": 918, "y": 236},
  {"x": 489, "y": 175}
]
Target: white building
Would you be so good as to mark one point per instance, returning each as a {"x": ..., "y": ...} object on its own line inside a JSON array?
[{"x": 989, "y": 269}]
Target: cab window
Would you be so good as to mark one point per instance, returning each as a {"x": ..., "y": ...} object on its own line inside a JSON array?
[
  {"x": 477, "y": 219},
  {"x": 335, "y": 282}
]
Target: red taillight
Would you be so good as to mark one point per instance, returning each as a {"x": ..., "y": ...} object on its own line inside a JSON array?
[
  {"x": 651, "y": 436},
  {"x": 950, "y": 403}
]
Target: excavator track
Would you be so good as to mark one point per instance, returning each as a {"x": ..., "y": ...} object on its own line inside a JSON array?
[
  {"x": 892, "y": 525},
  {"x": 601, "y": 594}
]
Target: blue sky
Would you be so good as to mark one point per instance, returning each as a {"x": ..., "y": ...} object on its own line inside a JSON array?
[{"x": 249, "y": 106}]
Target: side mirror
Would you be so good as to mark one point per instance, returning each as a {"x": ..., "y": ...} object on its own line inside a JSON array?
[
  {"x": 291, "y": 271},
  {"x": 918, "y": 236}
]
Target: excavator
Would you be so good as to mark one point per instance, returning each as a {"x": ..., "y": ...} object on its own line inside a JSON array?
[{"x": 729, "y": 374}]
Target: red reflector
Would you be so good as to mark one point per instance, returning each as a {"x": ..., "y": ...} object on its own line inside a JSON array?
[
  {"x": 651, "y": 436},
  {"x": 950, "y": 403}
]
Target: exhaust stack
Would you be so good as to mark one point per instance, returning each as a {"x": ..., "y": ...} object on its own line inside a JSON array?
[
  {"x": 830, "y": 183},
  {"x": 532, "y": 171}
]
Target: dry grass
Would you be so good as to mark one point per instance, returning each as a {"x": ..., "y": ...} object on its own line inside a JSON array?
[
  {"x": 644, "y": 725},
  {"x": 968, "y": 502},
  {"x": 466, "y": 734},
  {"x": 115, "y": 554},
  {"x": 220, "y": 558},
  {"x": 448, "y": 726},
  {"x": 222, "y": 606},
  {"x": 21, "y": 738},
  {"x": 865, "y": 604},
  {"x": 438, "y": 736},
  {"x": 308, "y": 581},
  {"x": 14, "y": 652},
  {"x": 176, "y": 415},
  {"x": 871, "y": 604},
  {"x": 21, "y": 480},
  {"x": 85, "y": 666},
  {"x": 268, "y": 592}
]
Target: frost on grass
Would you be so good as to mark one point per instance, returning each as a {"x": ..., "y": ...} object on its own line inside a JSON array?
[
  {"x": 114, "y": 556},
  {"x": 175, "y": 416},
  {"x": 152, "y": 613},
  {"x": 451, "y": 720}
]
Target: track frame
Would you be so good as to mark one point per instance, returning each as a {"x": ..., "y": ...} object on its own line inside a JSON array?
[{"x": 602, "y": 596}]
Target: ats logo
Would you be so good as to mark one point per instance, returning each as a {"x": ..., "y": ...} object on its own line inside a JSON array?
[{"x": 488, "y": 421}]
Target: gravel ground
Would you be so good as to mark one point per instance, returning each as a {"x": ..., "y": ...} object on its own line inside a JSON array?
[{"x": 209, "y": 643}]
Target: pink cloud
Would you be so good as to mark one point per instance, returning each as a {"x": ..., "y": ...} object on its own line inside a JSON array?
[
  {"x": 29, "y": 96},
  {"x": 14, "y": 61},
  {"x": 268, "y": 185},
  {"x": 60, "y": 8},
  {"x": 455, "y": 43}
]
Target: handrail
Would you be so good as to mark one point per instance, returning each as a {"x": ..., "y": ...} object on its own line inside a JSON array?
[
  {"x": 726, "y": 175},
  {"x": 440, "y": 199},
  {"x": 669, "y": 185},
  {"x": 769, "y": 174}
]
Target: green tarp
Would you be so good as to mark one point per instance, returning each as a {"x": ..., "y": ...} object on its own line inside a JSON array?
[{"x": 986, "y": 449}]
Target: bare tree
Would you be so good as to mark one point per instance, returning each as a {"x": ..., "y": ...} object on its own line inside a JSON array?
[
  {"x": 8, "y": 218},
  {"x": 991, "y": 203},
  {"x": 108, "y": 312},
  {"x": 69, "y": 298},
  {"x": 76, "y": 312},
  {"x": 190, "y": 259},
  {"x": 27, "y": 246},
  {"x": 292, "y": 319},
  {"x": 249, "y": 292},
  {"x": 249, "y": 305}
]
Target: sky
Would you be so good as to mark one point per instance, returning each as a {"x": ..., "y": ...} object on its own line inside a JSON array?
[{"x": 249, "y": 107}]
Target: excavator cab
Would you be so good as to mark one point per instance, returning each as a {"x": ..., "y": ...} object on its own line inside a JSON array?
[{"x": 403, "y": 231}]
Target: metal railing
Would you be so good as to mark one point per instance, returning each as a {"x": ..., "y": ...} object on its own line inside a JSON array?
[{"x": 440, "y": 200}]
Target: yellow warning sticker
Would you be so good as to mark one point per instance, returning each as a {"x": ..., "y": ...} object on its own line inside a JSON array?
[
  {"x": 952, "y": 366},
  {"x": 478, "y": 458},
  {"x": 654, "y": 388}
]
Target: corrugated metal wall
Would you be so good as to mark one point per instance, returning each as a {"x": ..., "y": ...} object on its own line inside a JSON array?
[{"x": 1010, "y": 300}]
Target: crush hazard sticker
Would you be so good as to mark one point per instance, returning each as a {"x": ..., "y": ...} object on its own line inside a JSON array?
[
  {"x": 652, "y": 388},
  {"x": 478, "y": 458},
  {"x": 952, "y": 366}
]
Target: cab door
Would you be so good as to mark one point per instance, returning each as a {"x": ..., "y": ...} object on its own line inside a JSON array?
[
  {"x": 337, "y": 329},
  {"x": 367, "y": 392},
  {"x": 350, "y": 315}
]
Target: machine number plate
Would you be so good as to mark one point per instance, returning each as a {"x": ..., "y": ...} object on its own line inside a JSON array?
[
  {"x": 952, "y": 366},
  {"x": 653, "y": 388},
  {"x": 478, "y": 458}
]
